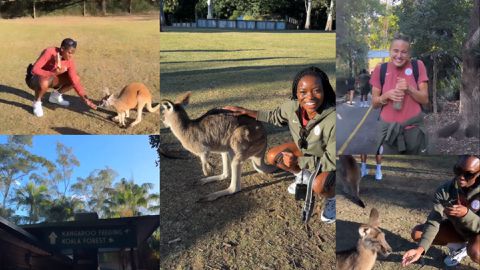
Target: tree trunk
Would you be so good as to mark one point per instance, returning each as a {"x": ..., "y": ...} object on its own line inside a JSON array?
[
  {"x": 328, "y": 27},
  {"x": 84, "y": 13},
  {"x": 469, "y": 95},
  {"x": 104, "y": 7},
  {"x": 434, "y": 83},
  {"x": 130, "y": 6},
  {"x": 309, "y": 13},
  {"x": 210, "y": 9},
  {"x": 34, "y": 10},
  {"x": 162, "y": 17}
]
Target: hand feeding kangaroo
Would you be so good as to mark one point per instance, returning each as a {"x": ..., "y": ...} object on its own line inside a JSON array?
[
  {"x": 372, "y": 241},
  {"x": 133, "y": 95},
  {"x": 350, "y": 178},
  {"x": 236, "y": 138}
]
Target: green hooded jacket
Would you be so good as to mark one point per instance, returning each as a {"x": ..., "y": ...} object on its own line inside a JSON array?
[
  {"x": 321, "y": 140},
  {"x": 466, "y": 226}
]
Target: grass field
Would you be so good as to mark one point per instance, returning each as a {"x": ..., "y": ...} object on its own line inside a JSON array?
[
  {"x": 111, "y": 52},
  {"x": 403, "y": 199},
  {"x": 260, "y": 227}
]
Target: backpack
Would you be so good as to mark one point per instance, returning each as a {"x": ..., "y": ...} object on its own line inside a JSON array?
[{"x": 383, "y": 72}]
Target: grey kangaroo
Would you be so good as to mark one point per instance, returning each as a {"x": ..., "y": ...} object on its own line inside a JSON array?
[
  {"x": 350, "y": 178},
  {"x": 236, "y": 138},
  {"x": 372, "y": 241}
]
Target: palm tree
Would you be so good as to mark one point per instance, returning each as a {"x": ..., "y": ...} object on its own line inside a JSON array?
[
  {"x": 63, "y": 209},
  {"x": 128, "y": 199},
  {"x": 35, "y": 199}
]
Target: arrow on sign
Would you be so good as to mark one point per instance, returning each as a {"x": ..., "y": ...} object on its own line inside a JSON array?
[{"x": 53, "y": 238}]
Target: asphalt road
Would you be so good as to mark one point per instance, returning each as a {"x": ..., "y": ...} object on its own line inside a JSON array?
[{"x": 354, "y": 137}]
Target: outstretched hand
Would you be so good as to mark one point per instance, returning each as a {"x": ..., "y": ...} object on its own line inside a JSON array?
[
  {"x": 90, "y": 103},
  {"x": 456, "y": 211},
  {"x": 412, "y": 256},
  {"x": 237, "y": 111}
]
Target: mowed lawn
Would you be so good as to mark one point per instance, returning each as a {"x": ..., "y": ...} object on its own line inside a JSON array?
[
  {"x": 111, "y": 52},
  {"x": 259, "y": 227}
]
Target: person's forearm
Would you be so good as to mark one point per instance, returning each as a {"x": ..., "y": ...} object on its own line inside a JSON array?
[
  {"x": 418, "y": 95},
  {"x": 379, "y": 101}
]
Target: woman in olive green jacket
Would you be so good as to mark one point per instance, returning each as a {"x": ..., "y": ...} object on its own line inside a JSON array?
[{"x": 310, "y": 116}]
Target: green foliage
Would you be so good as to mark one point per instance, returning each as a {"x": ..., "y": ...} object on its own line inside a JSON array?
[
  {"x": 154, "y": 141},
  {"x": 382, "y": 30},
  {"x": 438, "y": 29},
  {"x": 34, "y": 199},
  {"x": 354, "y": 19}
]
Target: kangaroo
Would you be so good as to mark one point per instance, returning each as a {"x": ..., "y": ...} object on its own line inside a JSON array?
[
  {"x": 133, "y": 95},
  {"x": 350, "y": 178},
  {"x": 236, "y": 138},
  {"x": 372, "y": 241}
]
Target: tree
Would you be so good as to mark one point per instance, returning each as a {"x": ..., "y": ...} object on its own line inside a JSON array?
[
  {"x": 470, "y": 93},
  {"x": 154, "y": 141},
  {"x": 308, "y": 8},
  {"x": 210, "y": 9},
  {"x": 94, "y": 189},
  {"x": 35, "y": 199},
  {"x": 163, "y": 23},
  {"x": 16, "y": 162},
  {"x": 63, "y": 209},
  {"x": 128, "y": 199},
  {"x": 328, "y": 26},
  {"x": 104, "y": 7}
]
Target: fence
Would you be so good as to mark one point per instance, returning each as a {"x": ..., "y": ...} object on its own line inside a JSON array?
[{"x": 239, "y": 24}]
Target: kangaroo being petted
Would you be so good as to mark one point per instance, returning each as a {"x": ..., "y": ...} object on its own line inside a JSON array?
[
  {"x": 236, "y": 138},
  {"x": 372, "y": 241},
  {"x": 134, "y": 95}
]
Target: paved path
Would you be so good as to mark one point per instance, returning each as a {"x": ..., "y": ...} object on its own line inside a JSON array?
[{"x": 356, "y": 128}]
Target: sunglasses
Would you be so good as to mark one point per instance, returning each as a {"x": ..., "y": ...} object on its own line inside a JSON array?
[
  {"x": 459, "y": 171},
  {"x": 302, "y": 142}
]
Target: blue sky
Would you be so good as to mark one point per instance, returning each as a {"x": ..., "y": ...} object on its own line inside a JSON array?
[{"x": 130, "y": 156}]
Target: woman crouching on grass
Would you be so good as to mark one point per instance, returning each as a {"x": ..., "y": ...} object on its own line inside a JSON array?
[
  {"x": 55, "y": 69},
  {"x": 310, "y": 116}
]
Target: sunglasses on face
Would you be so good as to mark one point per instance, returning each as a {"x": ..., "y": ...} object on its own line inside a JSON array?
[
  {"x": 459, "y": 171},
  {"x": 302, "y": 142}
]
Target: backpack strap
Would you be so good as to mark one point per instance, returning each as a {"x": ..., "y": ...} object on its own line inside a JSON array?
[
  {"x": 415, "y": 70},
  {"x": 383, "y": 72}
]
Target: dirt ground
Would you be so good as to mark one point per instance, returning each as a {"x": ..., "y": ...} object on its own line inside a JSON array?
[
  {"x": 258, "y": 228},
  {"x": 111, "y": 52},
  {"x": 450, "y": 145},
  {"x": 403, "y": 199}
]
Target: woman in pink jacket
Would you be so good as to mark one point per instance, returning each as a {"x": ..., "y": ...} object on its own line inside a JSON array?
[{"x": 55, "y": 69}]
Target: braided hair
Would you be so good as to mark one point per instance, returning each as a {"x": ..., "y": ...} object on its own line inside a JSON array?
[{"x": 329, "y": 94}]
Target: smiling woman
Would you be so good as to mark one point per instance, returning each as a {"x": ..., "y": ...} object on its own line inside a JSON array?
[{"x": 312, "y": 108}]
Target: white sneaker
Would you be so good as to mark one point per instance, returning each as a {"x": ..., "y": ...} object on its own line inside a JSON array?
[
  {"x": 378, "y": 172},
  {"x": 37, "y": 108},
  {"x": 363, "y": 170},
  {"x": 329, "y": 211},
  {"x": 56, "y": 97},
  {"x": 300, "y": 178},
  {"x": 456, "y": 256}
]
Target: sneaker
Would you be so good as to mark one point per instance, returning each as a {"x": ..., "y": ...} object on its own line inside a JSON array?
[
  {"x": 329, "y": 211},
  {"x": 363, "y": 170},
  {"x": 300, "y": 178},
  {"x": 455, "y": 256},
  {"x": 37, "y": 108},
  {"x": 378, "y": 172},
  {"x": 56, "y": 97}
]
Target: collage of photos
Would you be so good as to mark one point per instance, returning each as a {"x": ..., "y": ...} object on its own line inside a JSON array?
[{"x": 293, "y": 134}]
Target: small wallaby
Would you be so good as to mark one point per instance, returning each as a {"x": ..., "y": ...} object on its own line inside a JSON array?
[
  {"x": 349, "y": 173},
  {"x": 236, "y": 138},
  {"x": 372, "y": 241},
  {"x": 134, "y": 95}
]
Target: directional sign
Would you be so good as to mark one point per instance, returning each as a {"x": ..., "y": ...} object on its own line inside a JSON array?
[{"x": 90, "y": 237}]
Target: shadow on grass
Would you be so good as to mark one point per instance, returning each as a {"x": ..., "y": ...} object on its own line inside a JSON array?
[
  {"x": 69, "y": 130},
  {"x": 230, "y": 60},
  {"x": 347, "y": 237},
  {"x": 199, "y": 50},
  {"x": 194, "y": 80}
]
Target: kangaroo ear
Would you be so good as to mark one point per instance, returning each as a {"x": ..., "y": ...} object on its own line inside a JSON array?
[
  {"x": 363, "y": 231},
  {"x": 373, "y": 221},
  {"x": 184, "y": 99}
]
